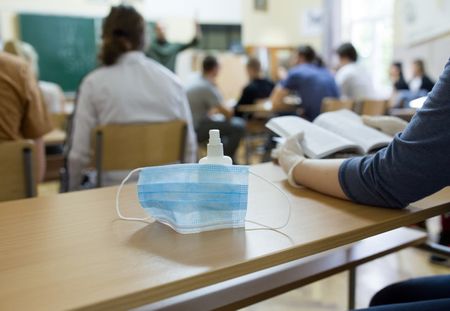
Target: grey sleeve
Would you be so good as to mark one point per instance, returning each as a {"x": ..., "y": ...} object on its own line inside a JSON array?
[
  {"x": 212, "y": 97},
  {"x": 416, "y": 163}
]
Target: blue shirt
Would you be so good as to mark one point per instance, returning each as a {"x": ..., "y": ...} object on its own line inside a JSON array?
[
  {"x": 312, "y": 83},
  {"x": 416, "y": 163}
]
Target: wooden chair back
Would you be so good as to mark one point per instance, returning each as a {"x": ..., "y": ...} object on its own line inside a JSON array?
[
  {"x": 333, "y": 104},
  {"x": 59, "y": 120},
  {"x": 18, "y": 170},
  {"x": 128, "y": 146},
  {"x": 374, "y": 107}
]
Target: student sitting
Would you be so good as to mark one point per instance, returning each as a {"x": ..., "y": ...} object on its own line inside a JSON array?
[
  {"x": 421, "y": 82},
  {"x": 400, "y": 89},
  {"x": 310, "y": 80},
  {"x": 128, "y": 88},
  {"x": 206, "y": 100},
  {"x": 397, "y": 78},
  {"x": 413, "y": 166},
  {"x": 22, "y": 113},
  {"x": 353, "y": 80},
  {"x": 258, "y": 88},
  {"x": 52, "y": 93}
]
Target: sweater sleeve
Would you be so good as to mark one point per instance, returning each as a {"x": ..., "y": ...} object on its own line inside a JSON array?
[{"x": 416, "y": 163}]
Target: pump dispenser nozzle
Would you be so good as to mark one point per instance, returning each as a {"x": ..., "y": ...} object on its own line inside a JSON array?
[{"x": 215, "y": 150}]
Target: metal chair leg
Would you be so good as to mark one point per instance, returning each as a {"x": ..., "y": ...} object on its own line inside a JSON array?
[
  {"x": 351, "y": 288},
  {"x": 98, "y": 158},
  {"x": 29, "y": 172}
]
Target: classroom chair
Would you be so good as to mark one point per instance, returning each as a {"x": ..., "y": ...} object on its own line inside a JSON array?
[
  {"x": 59, "y": 120},
  {"x": 128, "y": 146},
  {"x": 255, "y": 137},
  {"x": 333, "y": 104},
  {"x": 18, "y": 170},
  {"x": 374, "y": 107}
]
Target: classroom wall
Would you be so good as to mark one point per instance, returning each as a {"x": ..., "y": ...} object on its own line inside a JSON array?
[
  {"x": 206, "y": 11},
  {"x": 433, "y": 50},
  {"x": 282, "y": 25}
]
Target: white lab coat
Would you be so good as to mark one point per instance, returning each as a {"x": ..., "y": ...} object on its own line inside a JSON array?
[{"x": 135, "y": 89}]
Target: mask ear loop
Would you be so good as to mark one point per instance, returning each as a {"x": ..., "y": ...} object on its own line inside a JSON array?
[
  {"x": 284, "y": 194},
  {"x": 119, "y": 190}
]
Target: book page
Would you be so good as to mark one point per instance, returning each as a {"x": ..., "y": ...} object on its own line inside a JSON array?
[
  {"x": 349, "y": 125},
  {"x": 317, "y": 142}
]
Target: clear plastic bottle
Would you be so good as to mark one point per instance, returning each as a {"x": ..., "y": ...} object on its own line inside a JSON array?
[{"x": 215, "y": 150}]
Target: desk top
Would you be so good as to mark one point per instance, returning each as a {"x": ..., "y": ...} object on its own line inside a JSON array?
[
  {"x": 265, "y": 107},
  {"x": 55, "y": 137},
  {"x": 70, "y": 251}
]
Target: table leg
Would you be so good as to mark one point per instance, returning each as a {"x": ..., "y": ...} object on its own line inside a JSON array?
[{"x": 351, "y": 288}]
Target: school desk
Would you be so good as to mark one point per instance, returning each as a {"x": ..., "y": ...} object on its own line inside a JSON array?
[
  {"x": 55, "y": 137},
  {"x": 264, "y": 108},
  {"x": 70, "y": 251}
]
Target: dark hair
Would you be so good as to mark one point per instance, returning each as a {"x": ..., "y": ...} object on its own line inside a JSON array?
[
  {"x": 399, "y": 67},
  {"x": 309, "y": 54},
  {"x": 419, "y": 63},
  {"x": 254, "y": 63},
  {"x": 347, "y": 50},
  {"x": 209, "y": 63},
  {"x": 123, "y": 30}
]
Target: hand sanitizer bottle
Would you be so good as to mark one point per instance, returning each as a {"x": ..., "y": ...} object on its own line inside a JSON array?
[{"x": 215, "y": 150}]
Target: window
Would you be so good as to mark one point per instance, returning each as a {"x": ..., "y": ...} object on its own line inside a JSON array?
[{"x": 369, "y": 26}]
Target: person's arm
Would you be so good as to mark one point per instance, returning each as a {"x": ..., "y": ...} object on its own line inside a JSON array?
[
  {"x": 36, "y": 121},
  {"x": 277, "y": 97},
  {"x": 282, "y": 90},
  {"x": 194, "y": 41},
  {"x": 85, "y": 120},
  {"x": 321, "y": 176},
  {"x": 413, "y": 166},
  {"x": 215, "y": 102},
  {"x": 224, "y": 110}
]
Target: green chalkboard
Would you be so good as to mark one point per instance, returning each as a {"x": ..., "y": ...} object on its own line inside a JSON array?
[{"x": 67, "y": 46}]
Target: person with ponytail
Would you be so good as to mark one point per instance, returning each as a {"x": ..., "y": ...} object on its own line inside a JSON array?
[
  {"x": 127, "y": 88},
  {"x": 310, "y": 80}
]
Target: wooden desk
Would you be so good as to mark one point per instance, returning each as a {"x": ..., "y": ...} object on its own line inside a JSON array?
[
  {"x": 403, "y": 113},
  {"x": 69, "y": 251},
  {"x": 54, "y": 161},
  {"x": 265, "y": 107},
  {"x": 55, "y": 137}
]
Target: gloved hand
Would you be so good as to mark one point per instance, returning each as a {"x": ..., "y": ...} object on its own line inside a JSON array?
[
  {"x": 290, "y": 155},
  {"x": 387, "y": 124}
]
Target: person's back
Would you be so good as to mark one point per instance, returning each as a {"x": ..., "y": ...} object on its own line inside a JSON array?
[
  {"x": 353, "y": 80},
  {"x": 22, "y": 113},
  {"x": 308, "y": 79},
  {"x": 259, "y": 87},
  {"x": 202, "y": 96},
  {"x": 312, "y": 83},
  {"x": 130, "y": 88},
  {"x": 208, "y": 110},
  {"x": 135, "y": 89}
]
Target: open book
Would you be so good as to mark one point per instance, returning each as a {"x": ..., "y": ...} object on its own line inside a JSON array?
[{"x": 331, "y": 132}]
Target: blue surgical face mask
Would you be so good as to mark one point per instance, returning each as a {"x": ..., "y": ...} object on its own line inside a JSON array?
[{"x": 193, "y": 198}]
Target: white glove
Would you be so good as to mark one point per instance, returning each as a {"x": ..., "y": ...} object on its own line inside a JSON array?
[
  {"x": 290, "y": 155},
  {"x": 387, "y": 124}
]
